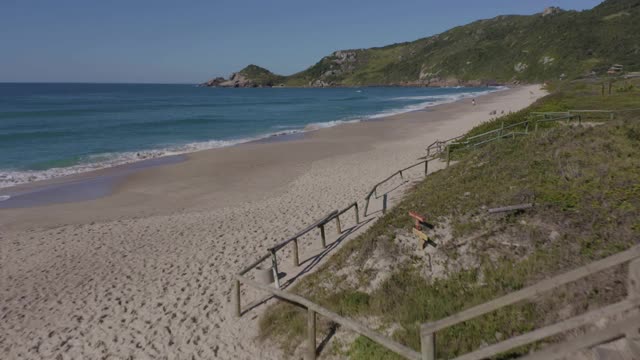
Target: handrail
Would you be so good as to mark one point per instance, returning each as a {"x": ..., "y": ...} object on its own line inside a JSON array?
[
  {"x": 531, "y": 291},
  {"x": 347, "y": 323},
  {"x": 353, "y": 204},
  {"x": 591, "y": 111},
  {"x": 556, "y": 118},
  {"x": 604, "y": 111},
  {"x": 399, "y": 172},
  {"x": 548, "y": 112},
  {"x": 613, "y": 332},
  {"x": 632, "y": 255},
  {"x": 322, "y": 221},
  {"x": 545, "y": 332},
  {"x": 526, "y": 122}
]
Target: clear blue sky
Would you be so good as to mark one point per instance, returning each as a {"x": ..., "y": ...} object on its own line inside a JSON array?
[{"x": 190, "y": 41}]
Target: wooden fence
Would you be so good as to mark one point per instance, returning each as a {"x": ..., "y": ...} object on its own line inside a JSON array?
[
  {"x": 448, "y": 146},
  {"x": 397, "y": 173},
  {"x": 315, "y": 309},
  {"x": 509, "y": 131},
  {"x": 428, "y": 331}
]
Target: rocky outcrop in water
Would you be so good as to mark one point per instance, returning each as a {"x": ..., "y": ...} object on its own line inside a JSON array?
[
  {"x": 250, "y": 76},
  {"x": 236, "y": 80}
]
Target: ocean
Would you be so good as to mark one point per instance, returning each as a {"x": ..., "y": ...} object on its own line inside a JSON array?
[{"x": 51, "y": 130}]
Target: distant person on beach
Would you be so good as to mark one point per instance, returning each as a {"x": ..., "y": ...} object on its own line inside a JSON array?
[{"x": 473, "y": 101}]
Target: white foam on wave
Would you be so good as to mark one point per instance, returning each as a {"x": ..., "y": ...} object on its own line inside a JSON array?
[
  {"x": 4, "y": 197},
  {"x": 106, "y": 160},
  {"x": 328, "y": 124}
]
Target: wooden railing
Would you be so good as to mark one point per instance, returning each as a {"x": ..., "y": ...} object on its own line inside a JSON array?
[
  {"x": 508, "y": 131},
  {"x": 397, "y": 173},
  {"x": 439, "y": 146},
  {"x": 314, "y": 309},
  {"x": 428, "y": 331},
  {"x": 294, "y": 240},
  {"x": 448, "y": 146}
]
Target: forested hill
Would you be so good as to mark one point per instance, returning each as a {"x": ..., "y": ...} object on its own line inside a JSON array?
[{"x": 510, "y": 48}]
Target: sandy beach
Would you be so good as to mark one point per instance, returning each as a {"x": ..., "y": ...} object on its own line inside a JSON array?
[{"x": 145, "y": 271}]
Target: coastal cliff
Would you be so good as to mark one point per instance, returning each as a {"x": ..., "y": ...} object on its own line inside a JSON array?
[{"x": 548, "y": 45}]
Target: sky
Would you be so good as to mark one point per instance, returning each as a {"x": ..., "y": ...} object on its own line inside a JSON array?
[{"x": 169, "y": 41}]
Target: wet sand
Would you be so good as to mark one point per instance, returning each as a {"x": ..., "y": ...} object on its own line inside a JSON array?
[{"x": 145, "y": 271}]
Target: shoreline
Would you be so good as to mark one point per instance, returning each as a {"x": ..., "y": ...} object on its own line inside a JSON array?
[
  {"x": 139, "y": 192},
  {"x": 152, "y": 263},
  {"x": 132, "y": 157}
]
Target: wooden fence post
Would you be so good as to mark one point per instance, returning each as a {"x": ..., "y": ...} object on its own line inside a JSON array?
[
  {"x": 236, "y": 298},
  {"x": 501, "y": 129},
  {"x": 274, "y": 268},
  {"x": 323, "y": 236},
  {"x": 428, "y": 346},
  {"x": 633, "y": 292},
  {"x": 296, "y": 259},
  {"x": 448, "y": 155},
  {"x": 426, "y": 167},
  {"x": 384, "y": 203},
  {"x": 366, "y": 206},
  {"x": 633, "y": 286},
  {"x": 311, "y": 335},
  {"x": 611, "y": 115},
  {"x": 357, "y": 213},
  {"x": 338, "y": 225}
]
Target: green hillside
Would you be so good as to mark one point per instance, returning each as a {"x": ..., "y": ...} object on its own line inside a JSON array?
[{"x": 510, "y": 48}]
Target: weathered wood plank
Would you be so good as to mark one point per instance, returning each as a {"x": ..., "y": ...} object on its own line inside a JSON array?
[
  {"x": 633, "y": 285},
  {"x": 510, "y": 208},
  {"x": 354, "y": 204},
  {"x": 548, "y": 331},
  {"x": 323, "y": 237},
  {"x": 534, "y": 290},
  {"x": 428, "y": 346},
  {"x": 593, "y": 338},
  {"x": 414, "y": 165},
  {"x": 347, "y": 323},
  {"x": 633, "y": 294},
  {"x": 296, "y": 256},
  {"x": 311, "y": 335}
]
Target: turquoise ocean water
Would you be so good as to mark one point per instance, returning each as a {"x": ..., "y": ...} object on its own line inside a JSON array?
[{"x": 50, "y": 130}]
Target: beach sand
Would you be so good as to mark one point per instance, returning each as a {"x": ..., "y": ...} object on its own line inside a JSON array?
[{"x": 146, "y": 271}]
